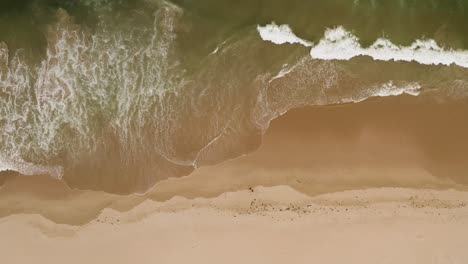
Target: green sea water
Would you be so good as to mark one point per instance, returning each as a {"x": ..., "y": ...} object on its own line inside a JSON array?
[{"x": 117, "y": 95}]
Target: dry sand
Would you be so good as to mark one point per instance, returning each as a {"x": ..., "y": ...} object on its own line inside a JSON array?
[{"x": 260, "y": 225}]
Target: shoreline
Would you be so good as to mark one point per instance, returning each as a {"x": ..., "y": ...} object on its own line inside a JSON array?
[{"x": 375, "y": 188}]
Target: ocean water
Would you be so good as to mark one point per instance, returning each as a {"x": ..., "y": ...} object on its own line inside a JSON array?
[{"x": 118, "y": 95}]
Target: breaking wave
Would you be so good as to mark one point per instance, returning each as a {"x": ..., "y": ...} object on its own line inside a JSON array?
[
  {"x": 280, "y": 35},
  {"x": 340, "y": 44},
  {"x": 134, "y": 100}
]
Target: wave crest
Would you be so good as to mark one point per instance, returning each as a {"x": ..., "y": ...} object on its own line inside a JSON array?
[{"x": 340, "y": 44}]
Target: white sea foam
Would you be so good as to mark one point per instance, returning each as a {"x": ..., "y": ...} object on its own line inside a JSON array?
[
  {"x": 27, "y": 168},
  {"x": 284, "y": 71},
  {"x": 390, "y": 89},
  {"x": 340, "y": 44},
  {"x": 280, "y": 35},
  {"x": 3, "y": 167},
  {"x": 217, "y": 48},
  {"x": 82, "y": 72}
]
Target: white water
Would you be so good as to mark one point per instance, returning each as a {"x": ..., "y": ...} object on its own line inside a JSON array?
[
  {"x": 390, "y": 89},
  {"x": 26, "y": 168},
  {"x": 340, "y": 44},
  {"x": 280, "y": 35},
  {"x": 387, "y": 89},
  {"x": 76, "y": 76}
]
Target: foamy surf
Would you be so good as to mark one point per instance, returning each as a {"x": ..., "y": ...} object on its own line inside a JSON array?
[
  {"x": 131, "y": 99},
  {"x": 340, "y": 44},
  {"x": 29, "y": 169},
  {"x": 391, "y": 88},
  {"x": 280, "y": 35}
]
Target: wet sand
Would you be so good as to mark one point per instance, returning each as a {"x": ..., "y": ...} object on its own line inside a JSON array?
[
  {"x": 391, "y": 142},
  {"x": 360, "y": 183},
  {"x": 144, "y": 108}
]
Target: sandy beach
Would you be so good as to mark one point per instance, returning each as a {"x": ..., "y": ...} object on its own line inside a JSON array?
[
  {"x": 212, "y": 132},
  {"x": 260, "y": 225},
  {"x": 323, "y": 204}
]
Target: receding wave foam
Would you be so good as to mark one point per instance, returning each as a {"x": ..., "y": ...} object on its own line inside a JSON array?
[
  {"x": 388, "y": 89},
  {"x": 340, "y": 44},
  {"x": 3, "y": 167},
  {"x": 26, "y": 168},
  {"x": 84, "y": 78}
]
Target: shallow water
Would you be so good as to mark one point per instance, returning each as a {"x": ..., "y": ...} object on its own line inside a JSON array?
[{"x": 118, "y": 95}]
